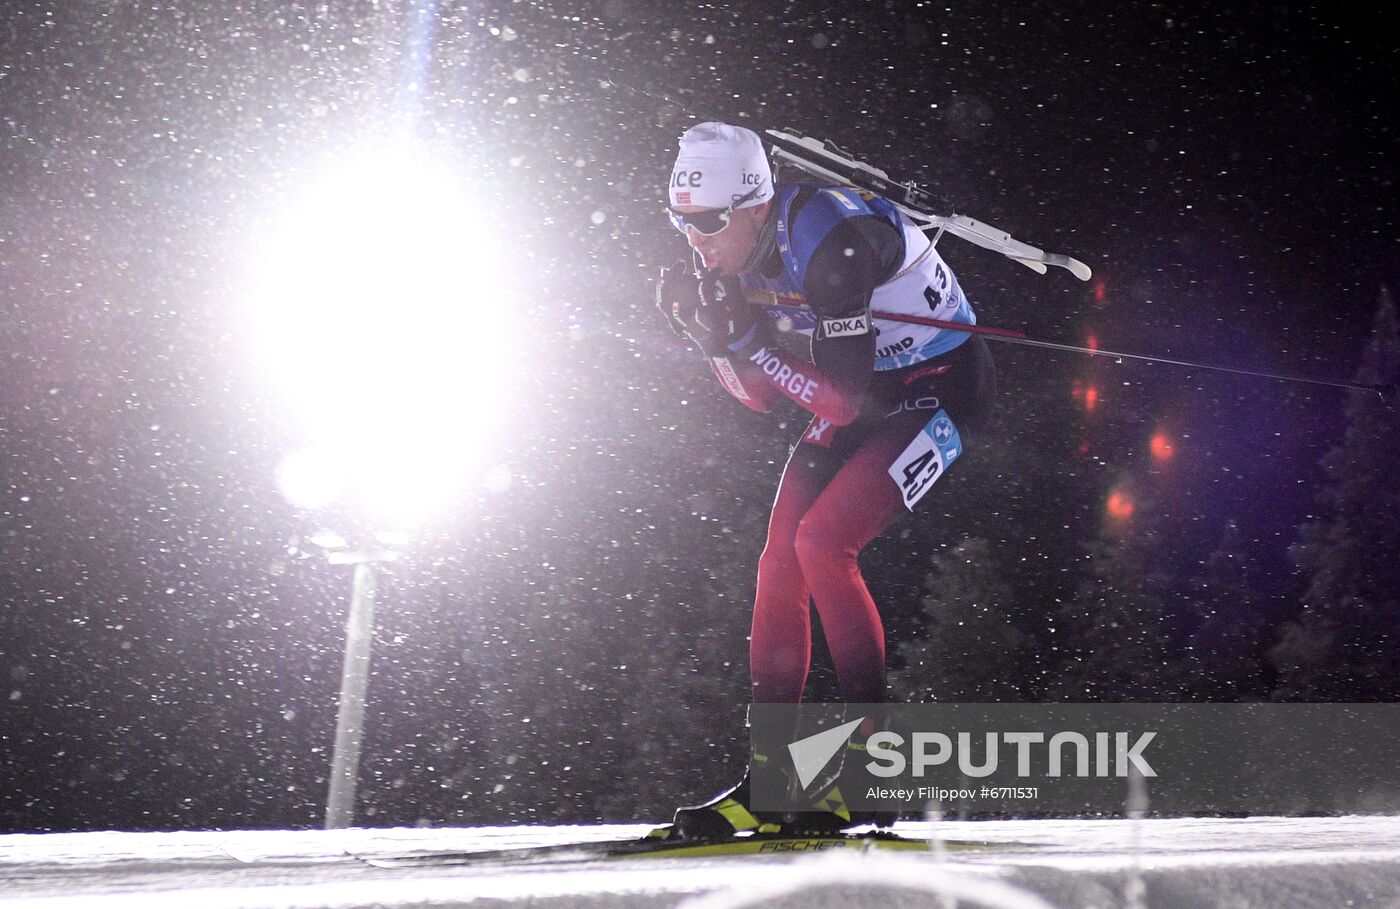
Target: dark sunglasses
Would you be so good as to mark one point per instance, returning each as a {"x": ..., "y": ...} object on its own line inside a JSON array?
[{"x": 709, "y": 223}]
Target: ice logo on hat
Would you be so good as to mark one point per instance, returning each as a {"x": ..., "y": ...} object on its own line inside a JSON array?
[{"x": 719, "y": 163}]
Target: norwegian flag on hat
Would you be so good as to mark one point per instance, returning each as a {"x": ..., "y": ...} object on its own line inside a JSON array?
[{"x": 683, "y": 198}]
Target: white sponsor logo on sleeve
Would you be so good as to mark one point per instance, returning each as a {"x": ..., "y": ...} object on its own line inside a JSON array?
[
  {"x": 729, "y": 377},
  {"x": 840, "y": 328}
]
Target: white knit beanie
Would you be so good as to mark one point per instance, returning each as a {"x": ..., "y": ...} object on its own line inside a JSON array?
[{"x": 719, "y": 164}]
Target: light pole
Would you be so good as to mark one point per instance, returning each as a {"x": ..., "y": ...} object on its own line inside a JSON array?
[{"x": 354, "y": 674}]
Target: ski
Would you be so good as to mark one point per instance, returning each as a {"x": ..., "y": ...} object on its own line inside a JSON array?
[
  {"x": 827, "y": 161},
  {"x": 770, "y": 844}
]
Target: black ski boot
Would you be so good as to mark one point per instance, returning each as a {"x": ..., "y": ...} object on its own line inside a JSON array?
[
  {"x": 819, "y": 810},
  {"x": 729, "y": 813},
  {"x": 724, "y": 815},
  {"x": 823, "y": 794}
]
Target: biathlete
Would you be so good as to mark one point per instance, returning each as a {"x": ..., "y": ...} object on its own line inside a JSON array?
[{"x": 778, "y": 270}]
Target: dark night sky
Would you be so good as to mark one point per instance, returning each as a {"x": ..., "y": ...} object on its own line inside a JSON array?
[{"x": 170, "y": 661}]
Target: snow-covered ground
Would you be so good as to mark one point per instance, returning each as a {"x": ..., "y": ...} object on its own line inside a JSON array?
[{"x": 1261, "y": 862}]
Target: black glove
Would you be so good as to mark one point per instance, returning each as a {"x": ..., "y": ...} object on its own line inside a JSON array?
[
  {"x": 678, "y": 296},
  {"x": 726, "y": 329},
  {"x": 697, "y": 308},
  {"x": 718, "y": 290},
  {"x": 733, "y": 325}
]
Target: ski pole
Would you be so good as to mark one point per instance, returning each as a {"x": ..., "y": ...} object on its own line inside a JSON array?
[{"x": 1011, "y": 336}]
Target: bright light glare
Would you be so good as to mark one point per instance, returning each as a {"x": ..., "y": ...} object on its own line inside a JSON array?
[
  {"x": 309, "y": 478},
  {"x": 380, "y": 310}
]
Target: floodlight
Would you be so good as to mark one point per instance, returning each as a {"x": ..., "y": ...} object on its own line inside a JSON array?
[{"x": 380, "y": 313}]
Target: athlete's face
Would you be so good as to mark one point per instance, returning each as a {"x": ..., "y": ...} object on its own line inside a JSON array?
[{"x": 729, "y": 249}]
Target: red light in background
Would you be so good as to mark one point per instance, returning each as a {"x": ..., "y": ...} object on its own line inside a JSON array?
[
  {"x": 1091, "y": 398},
  {"x": 1119, "y": 506},
  {"x": 1161, "y": 447},
  {"x": 1100, "y": 291},
  {"x": 1092, "y": 342}
]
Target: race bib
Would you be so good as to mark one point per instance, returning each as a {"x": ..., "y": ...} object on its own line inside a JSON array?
[{"x": 933, "y": 449}]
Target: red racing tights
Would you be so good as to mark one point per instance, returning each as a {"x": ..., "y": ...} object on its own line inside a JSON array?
[
  {"x": 837, "y": 495},
  {"x": 826, "y": 512}
]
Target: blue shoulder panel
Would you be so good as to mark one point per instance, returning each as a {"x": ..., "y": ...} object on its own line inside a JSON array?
[{"x": 830, "y": 206}]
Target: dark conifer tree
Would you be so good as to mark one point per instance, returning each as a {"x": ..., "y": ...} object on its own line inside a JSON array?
[
  {"x": 1345, "y": 642},
  {"x": 972, "y": 649},
  {"x": 1224, "y": 652},
  {"x": 1114, "y": 637}
]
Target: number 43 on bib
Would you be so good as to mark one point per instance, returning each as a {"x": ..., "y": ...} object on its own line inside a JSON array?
[{"x": 933, "y": 449}]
